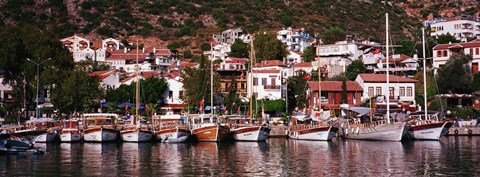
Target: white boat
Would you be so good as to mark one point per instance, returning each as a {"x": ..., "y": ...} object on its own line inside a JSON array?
[
  {"x": 136, "y": 133},
  {"x": 100, "y": 127},
  {"x": 70, "y": 131},
  {"x": 429, "y": 128},
  {"x": 171, "y": 128},
  {"x": 243, "y": 130},
  {"x": 51, "y": 135},
  {"x": 308, "y": 129}
]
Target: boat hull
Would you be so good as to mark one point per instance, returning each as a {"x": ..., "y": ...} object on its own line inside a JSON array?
[
  {"x": 100, "y": 135},
  {"x": 251, "y": 133},
  {"x": 385, "y": 132},
  {"x": 136, "y": 135},
  {"x": 70, "y": 136},
  {"x": 211, "y": 133},
  {"x": 429, "y": 131},
  {"x": 46, "y": 137},
  {"x": 323, "y": 133},
  {"x": 173, "y": 135}
]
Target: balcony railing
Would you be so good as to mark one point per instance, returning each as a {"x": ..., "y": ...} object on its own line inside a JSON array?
[{"x": 271, "y": 87}]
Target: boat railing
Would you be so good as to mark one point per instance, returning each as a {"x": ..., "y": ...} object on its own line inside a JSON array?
[{"x": 308, "y": 126}]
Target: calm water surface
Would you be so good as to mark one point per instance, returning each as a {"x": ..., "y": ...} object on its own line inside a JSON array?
[{"x": 452, "y": 156}]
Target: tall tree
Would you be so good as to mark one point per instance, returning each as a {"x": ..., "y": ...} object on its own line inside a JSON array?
[
  {"x": 457, "y": 70},
  {"x": 332, "y": 35},
  {"x": 196, "y": 82},
  {"x": 446, "y": 38},
  {"x": 231, "y": 100},
  {"x": 309, "y": 54},
  {"x": 355, "y": 68},
  {"x": 297, "y": 86},
  {"x": 408, "y": 47},
  {"x": 268, "y": 47},
  {"x": 239, "y": 49}
]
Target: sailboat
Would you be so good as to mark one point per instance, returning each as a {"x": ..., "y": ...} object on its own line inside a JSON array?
[
  {"x": 246, "y": 130},
  {"x": 383, "y": 130},
  {"x": 206, "y": 127},
  {"x": 135, "y": 132},
  {"x": 429, "y": 126},
  {"x": 170, "y": 128},
  {"x": 312, "y": 127}
]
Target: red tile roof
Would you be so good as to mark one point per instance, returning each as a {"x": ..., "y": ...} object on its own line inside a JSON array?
[
  {"x": 395, "y": 58},
  {"x": 334, "y": 86},
  {"x": 305, "y": 64},
  {"x": 381, "y": 78},
  {"x": 149, "y": 74},
  {"x": 267, "y": 71},
  {"x": 266, "y": 63},
  {"x": 236, "y": 60},
  {"x": 474, "y": 43}
]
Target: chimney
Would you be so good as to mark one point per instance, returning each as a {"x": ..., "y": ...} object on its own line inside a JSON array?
[
  {"x": 143, "y": 50},
  {"x": 415, "y": 56},
  {"x": 125, "y": 50},
  {"x": 154, "y": 50}
]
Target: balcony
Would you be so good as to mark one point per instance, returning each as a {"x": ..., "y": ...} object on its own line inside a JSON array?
[{"x": 271, "y": 87}]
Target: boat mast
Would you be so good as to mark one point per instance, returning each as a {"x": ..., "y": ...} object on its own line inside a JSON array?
[
  {"x": 137, "y": 90},
  {"x": 319, "y": 83},
  {"x": 211, "y": 85},
  {"x": 424, "y": 73},
  {"x": 251, "y": 79},
  {"x": 387, "y": 74}
]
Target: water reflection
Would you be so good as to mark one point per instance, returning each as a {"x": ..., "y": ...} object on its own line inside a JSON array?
[{"x": 452, "y": 156}]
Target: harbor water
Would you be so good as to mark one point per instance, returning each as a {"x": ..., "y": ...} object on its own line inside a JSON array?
[{"x": 451, "y": 156}]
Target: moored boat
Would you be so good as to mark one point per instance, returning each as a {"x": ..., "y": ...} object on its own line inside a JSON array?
[
  {"x": 51, "y": 135},
  {"x": 207, "y": 128},
  {"x": 243, "y": 130},
  {"x": 170, "y": 128},
  {"x": 427, "y": 128},
  {"x": 70, "y": 131},
  {"x": 100, "y": 127},
  {"x": 308, "y": 129},
  {"x": 136, "y": 133}
]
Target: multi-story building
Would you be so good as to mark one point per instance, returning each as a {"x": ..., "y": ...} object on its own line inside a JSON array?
[
  {"x": 267, "y": 80},
  {"x": 233, "y": 71},
  {"x": 459, "y": 27},
  {"x": 6, "y": 91},
  {"x": 332, "y": 94},
  {"x": 84, "y": 49},
  {"x": 399, "y": 63},
  {"x": 294, "y": 39},
  {"x": 228, "y": 36},
  {"x": 400, "y": 89},
  {"x": 443, "y": 52}
]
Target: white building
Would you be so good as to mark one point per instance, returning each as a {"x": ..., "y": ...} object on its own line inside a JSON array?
[
  {"x": 336, "y": 57},
  {"x": 400, "y": 89},
  {"x": 6, "y": 91},
  {"x": 460, "y": 28},
  {"x": 233, "y": 64},
  {"x": 295, "y": 57},
  {"x": 398, "y": 63},
  {"x": 295, "y": 39},
  {"x": 443, "y": 52},
  {"x": 108, "y": 79},
  {"x": 219, "y": 51},
  {"x": 172, "y": 94},
  {"x": 267, "y": 80},
  {"x": 228, "y": 36},
  {"x": 83, "y": 49}
]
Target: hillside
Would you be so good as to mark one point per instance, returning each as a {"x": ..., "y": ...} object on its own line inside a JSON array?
[{"x": 190, "y": 22}]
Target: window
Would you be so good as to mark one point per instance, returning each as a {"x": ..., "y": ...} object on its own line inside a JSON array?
[
  {"x": 180, "y": 93},
  {"x": 272, "y": 81},
  {"x": 391, "y": 92},
  {"x": 379, "y": 90},
  {"x": 370, "y": 91},
  {"x": 409, "y": 91},
  {"x": 439, "y": 53},
  {"x": 264, "y": 81},
  {"x": 255, "y": 81},
  {"x": 477, "y": 51},
  {"x": 170, "y": 94},
  {"x": 402, "y": 91},
  {"x": 471, "y": 51},
  {"x": 445, "y": 53}
]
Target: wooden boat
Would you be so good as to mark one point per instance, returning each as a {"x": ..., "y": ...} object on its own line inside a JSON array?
[
  {"x": 207, "y": 128},
  {"x": 307, "y": 128},
  {"x": 136, "y": 133},
  {"x": 171, "y": 128},
  {"x": 378, "y": 130},
  {"x": 243, "y": 130},
  {"x": 100, "y": 127},
  {"x": 70, "y": 131},
  {"x": 427, "y": 128},
  {"x": 51, "y": 135}
]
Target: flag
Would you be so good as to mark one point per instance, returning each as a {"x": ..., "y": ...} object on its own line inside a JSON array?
[
  {"x": 201, "y": 104},
  {"x": 238, "y": 109},
  {"x": 377, "y": 51},
  {"x": 146, "y": 107},
  {"x": 126, "y": 107},
  {"x": 307, "y": 77}
]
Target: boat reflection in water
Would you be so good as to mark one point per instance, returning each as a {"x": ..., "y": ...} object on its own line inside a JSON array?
[{"x": 97, "y": 159}]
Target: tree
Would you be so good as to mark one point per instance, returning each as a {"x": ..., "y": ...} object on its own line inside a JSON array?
[
  {"x": 151, "y": 91},
  {"x": 457, "y": 70},
  {"x": 239, "y": 49},
  {"x": 268, "y": 47},
  {"x": 476, "y": 82},
  {"x": 78, "y": 92},
  {"x": 355, "y": 68},
  {"x": 332, "y": 35},
  {"x": 309, "y": 54},
  {"x": 196, "y": 82},
  {"x": 187, "y": 54},
  {"x": 231, "y": 100},
  {"x": 431, "y": 87},
  {"x": 205, "y": 46},
  {"x": 446, "y": 38},
  {"x": 297, "y": 86},
  {"x": 408, "y": 47}
]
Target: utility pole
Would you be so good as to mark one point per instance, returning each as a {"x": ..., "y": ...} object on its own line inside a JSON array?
[{"x": 37, "y": 112}]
